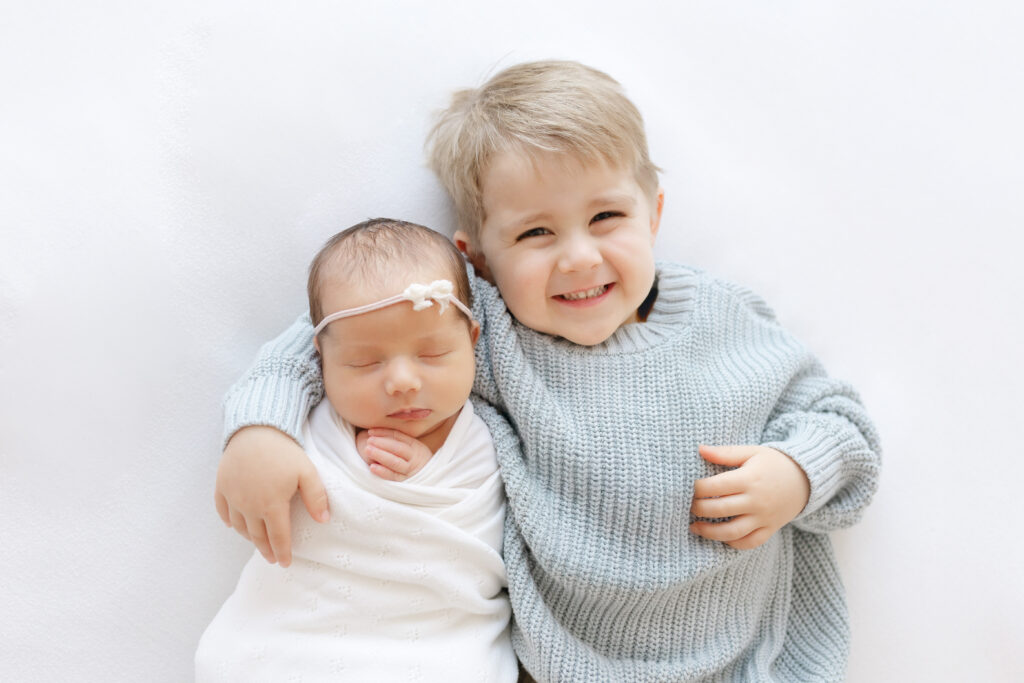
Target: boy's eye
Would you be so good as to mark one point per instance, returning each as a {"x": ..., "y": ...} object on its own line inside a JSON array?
[
  {"x": 533, "y": 232},
  {"x": 604, "y": 215}
]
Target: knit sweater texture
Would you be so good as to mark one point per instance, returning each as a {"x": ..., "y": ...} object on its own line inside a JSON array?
[{"x": 599, "y": 457}]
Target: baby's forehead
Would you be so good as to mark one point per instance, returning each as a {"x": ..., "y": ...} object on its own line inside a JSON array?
[{"x": 349, "y": 285}]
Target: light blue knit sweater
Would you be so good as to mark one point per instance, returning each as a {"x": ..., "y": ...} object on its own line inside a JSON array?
[{"x": 606, "y": 581}]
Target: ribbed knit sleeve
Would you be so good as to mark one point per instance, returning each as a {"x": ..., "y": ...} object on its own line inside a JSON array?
[
  {"x": 821, "y": 424},
  {"x": 281, "y": 386},
  {"x": 817, "y": 420},
  {"x": 490, "y": 311}
]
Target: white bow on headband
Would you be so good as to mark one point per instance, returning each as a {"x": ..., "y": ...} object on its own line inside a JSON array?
[{"x": 421, "y": 296}]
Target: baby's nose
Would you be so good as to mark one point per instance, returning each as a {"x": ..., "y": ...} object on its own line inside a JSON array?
[{"x": 402, "y": 376}]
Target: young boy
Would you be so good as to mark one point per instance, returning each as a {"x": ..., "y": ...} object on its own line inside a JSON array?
[
  {"x": 635, "y": 550},
  {"x": 410, "y": 570}
]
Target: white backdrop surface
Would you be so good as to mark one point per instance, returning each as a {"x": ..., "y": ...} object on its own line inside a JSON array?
[{"x": 170, "y": 168}]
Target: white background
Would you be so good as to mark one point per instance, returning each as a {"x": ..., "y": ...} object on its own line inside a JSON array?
[{"x": 169, "y": 170}]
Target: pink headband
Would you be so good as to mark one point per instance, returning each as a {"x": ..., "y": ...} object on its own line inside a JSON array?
[{"x": 421, "y": 296}]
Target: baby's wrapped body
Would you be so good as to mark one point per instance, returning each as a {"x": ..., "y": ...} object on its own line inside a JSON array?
[{"x": 405, "y": 582}]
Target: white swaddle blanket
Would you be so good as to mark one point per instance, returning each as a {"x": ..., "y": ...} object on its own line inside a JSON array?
[{"x": 405, "y": 583}]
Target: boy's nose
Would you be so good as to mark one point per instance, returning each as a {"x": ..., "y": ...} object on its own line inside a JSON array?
[
  {"x": 401, "y": 377},
  {"x": 580, "y": 252}
]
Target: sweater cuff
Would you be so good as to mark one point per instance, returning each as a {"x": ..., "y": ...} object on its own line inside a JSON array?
[
  {"x": 815, "y": 449},
  {"x": 271, "y": 401}
]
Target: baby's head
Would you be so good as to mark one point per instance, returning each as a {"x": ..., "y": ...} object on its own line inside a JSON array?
[
  {"x": 404, "y": 362},
  {"x": 556, "y": 197}
]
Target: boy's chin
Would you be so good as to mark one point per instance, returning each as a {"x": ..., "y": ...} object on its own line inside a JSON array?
[{"x": 585, "y": 337}]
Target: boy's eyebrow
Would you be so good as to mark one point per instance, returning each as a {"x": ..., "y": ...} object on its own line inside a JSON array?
[
  {"x": 600, "y": 200},
  {"x": 536, "y": 217},
  {"x": 614, "y": 198}
]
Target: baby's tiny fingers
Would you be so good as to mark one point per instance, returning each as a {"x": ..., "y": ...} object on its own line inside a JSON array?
[
  {"x": 392, "y": 434},
  {"x": 392, "y": 447},
  {"x": 387, "y": 459},
  {"x": 383, "y": 472}
]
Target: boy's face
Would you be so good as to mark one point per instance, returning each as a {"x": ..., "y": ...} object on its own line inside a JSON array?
[
  {"x": 395, "y": 367},
  {"x": 569, "y": 245}
]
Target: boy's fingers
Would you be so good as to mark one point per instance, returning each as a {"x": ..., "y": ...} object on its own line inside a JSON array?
[
  {"x": 222, "y": 508},
  {"x": 730, "y": 456},
  {"x": 728, "y": 506},
  {"x": 724, "y": 484},
  {"x": 238, "y": 524},
  {"x": 314, "y": 495},
  {"x": 752, "y": 540},
  {"x": 258, "y": 536},
  {"x": 279, "y": 535},
  {"x": 732, "y": 530}
]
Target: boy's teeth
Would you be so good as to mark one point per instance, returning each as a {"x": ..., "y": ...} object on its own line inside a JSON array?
[{"x": 586, "y": 294}]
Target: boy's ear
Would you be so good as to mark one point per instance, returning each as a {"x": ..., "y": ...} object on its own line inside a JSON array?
[
  {"x": 656, "y": 218},
  {"x": 464, "y": 244}
]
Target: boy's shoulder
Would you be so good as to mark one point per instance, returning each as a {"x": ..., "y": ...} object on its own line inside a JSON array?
[{"x": 711, "y": 290}]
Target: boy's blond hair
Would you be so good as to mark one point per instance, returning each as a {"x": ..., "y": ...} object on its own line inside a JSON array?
[
  {"x": 548, "y": 106},
  {"x": 368, "y": 249}
]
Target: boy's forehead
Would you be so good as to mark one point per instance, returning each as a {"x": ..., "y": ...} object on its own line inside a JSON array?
[
  {"x": 513, "y": 182},
  {"x": 538, "y": 162}
]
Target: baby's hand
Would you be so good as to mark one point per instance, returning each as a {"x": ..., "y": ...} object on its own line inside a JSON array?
[
  {"x": 766, "y": 491},
  {"x": 391, "y": 454},
  {"x": 259, "y": 472}
]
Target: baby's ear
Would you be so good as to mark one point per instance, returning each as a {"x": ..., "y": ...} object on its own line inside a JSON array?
[
  {"x": 316, "y": 344},
  {"x": 474, "y": 332}
]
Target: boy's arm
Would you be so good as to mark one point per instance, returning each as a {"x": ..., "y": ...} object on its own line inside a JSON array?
[
  {"x": 817, "y": 465},
  {"x": 263, "y": 463},
  {"x": 821, "y": 424},
  {"x": 281, "y": 386}
]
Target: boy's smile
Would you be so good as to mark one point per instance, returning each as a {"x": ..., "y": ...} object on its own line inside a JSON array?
[{"x": 568, "y": 243}]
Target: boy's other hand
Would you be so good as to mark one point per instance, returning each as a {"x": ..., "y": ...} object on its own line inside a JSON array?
[
  {"x": 765, "y": 492},
  {"x": 259, "y": 472},
  {"x": 391, "y": 454}
]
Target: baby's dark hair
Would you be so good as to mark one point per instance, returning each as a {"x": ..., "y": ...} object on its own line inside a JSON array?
[{"x": 369, "y": 248}]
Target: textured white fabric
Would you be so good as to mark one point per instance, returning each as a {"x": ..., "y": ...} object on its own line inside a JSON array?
[{"x": 405, "y": 583}]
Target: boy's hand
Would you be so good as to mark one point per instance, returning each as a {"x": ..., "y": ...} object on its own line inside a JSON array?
[
  {"x": 391, "y": 454},
  {"x": 259, "y": 472},
  {"x": 766, "y": 491}
]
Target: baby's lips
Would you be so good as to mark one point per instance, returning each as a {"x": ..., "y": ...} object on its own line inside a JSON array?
[{"x": 411, "y": 414}]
